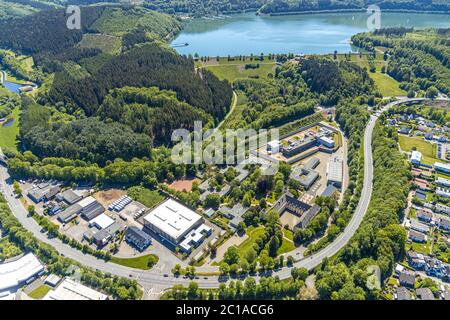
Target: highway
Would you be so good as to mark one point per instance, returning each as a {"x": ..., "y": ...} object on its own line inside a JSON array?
[{"x": 155, "y": 278}]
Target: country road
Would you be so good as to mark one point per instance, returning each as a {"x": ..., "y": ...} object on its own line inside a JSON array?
[{"x": 155, "y": 278}]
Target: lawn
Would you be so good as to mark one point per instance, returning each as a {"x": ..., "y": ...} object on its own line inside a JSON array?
[
  {"x": 143, "y": 262},
  {"x": 39, "y": 292},
  {"x": 420, "y": 247},
  {"x": 388, "y": 86},
  {"x": 427, "y": 149},
  {"x": 253, "y": 234},
  {"x": 147, "y": 197},
  {"x": 286, "y": 246},
  {"x": 233, "y": 70},
  {"x": 9, "y": 134}
]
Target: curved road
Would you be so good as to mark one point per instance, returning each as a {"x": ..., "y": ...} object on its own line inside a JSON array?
[{"x": 155, "y": 277}]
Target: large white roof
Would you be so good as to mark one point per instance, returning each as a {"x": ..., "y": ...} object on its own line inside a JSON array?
[
  {"x": 102, "y": 221},
  {"x": 15, "y": 272},
  {"x": 335, "y": 169},
  {"x": 173, "y": 218},
  {"x": 72, "y": 290},
  {"x": 86, "y": 201}
]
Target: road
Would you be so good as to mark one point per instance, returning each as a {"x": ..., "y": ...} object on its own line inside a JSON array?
[{"x": 155, "y": 278}]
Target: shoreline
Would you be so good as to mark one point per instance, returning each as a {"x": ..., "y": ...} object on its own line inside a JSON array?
[{"x": 295, "y": 13}]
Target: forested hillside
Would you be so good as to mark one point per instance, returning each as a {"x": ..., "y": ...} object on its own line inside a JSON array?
[
  {"x": 146, "y": 66},
  {"x": 420, "y": 60},
  {"x": 285, "y": 6}
]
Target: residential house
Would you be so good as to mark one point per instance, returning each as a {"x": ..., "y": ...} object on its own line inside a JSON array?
[
  {"x": 424, "y": 294},
  {"x": 443, "y": 223},
  {"x": 417, "y": 236},
  {"x": 418, "y": 226},
  {"x": 425, "y": 215},
  {"x": 407, "y": 279},
  {"x": 403, "y": 294},
  {"x": 416, "y": 260}
]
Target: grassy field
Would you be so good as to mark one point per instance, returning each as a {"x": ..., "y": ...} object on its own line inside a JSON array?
[
  {"x": 143, "y": 262},
  {"x": 253, "y": 234},
  {"x": 236, "y": 116},
  {"x": 389, "y": 87},
  {"x": 147, "y": 197},
  {"x": 427, "y": 149},
  {"x": 233, "y": 70},
  {"x": 8, "y": 135},
  {"x": 39, "y": 292}
]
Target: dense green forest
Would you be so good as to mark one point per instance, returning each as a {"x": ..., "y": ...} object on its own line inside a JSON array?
[
  {"x": 285, "y": 6},
  {"x": 293, "y": 91},
  {"x": 145, "y": 66},
  {"x": 420, "y": 60}
]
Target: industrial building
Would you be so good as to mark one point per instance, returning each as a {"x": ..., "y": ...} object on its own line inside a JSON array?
[
  {"x": 18, "y": 272},
  {"x": 195, "y": 238},
  {"x": 43, "y": 192},
  {"x": 88, "y": 207},
  {"x": 101, "y": 222},
  {"x": 416, "y": 157},
  {"x": 297, "y": 147},
  {"x": 69, "y": 196},
  {"x": 305, "y": 174},
  {"x": 273, "y": 146},
  {"x": 326, "y": 141},
  {"x": 335, "y": 172},
  {"x": 138, "y": 238},
  {"x": 172, "y": 221},
  {"x": 69, "y": 289}
]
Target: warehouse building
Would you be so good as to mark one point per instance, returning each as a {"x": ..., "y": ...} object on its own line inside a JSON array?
[
  {"x": 19, "y": 272},
  {"x": 335, "y": 172},
  {"x": 72, "y": 290},
  {"x": 138, "y": 238},
  {"x": 89, "y": 208},
  {"x": 43, "y": 192},
  {"x": 69, "y": 196},
  {"x": 172, "y": 221}
]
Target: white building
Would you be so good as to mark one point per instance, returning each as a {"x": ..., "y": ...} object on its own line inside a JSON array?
[
  {"x": 273, "y": 146},
  {"x": 172, "y": 220},
  {"x": 416, "y": 157},
  {"x": 327, "y": 142},
  {"x": 101, "y": 222},
  {"x": 72, "y": 290},
  {"x": 335, "y": 172},
  {"x": 18, "y": 272},
  {"x": 443, "y": 167}
]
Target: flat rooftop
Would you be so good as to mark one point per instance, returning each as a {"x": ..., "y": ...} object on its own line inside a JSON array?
[
  {"x": 15, "y": 272},
  {"x": 172, "y": 218},
  {"x": 72, "y": 290}
]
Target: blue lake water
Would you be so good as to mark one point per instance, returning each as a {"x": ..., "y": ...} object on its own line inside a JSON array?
[{"x": 311, "y": 34}]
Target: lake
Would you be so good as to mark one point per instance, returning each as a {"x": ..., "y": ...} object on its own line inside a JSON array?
[
  {"x": 12, "y": 86},
  {"x": 310, "y": 34}
]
